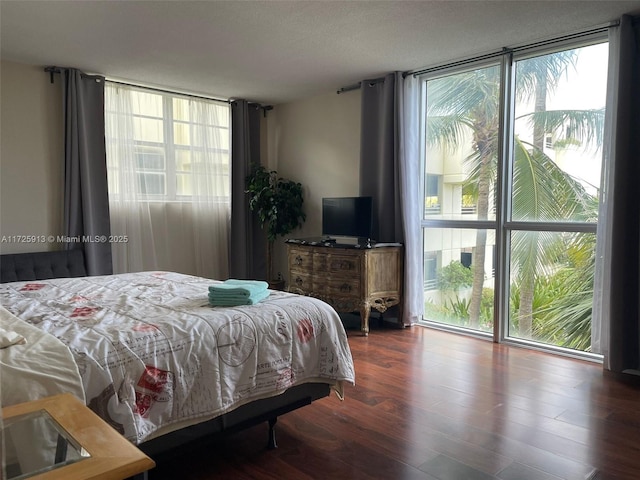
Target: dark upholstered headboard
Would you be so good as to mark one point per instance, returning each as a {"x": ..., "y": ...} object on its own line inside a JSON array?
[{"x": 18, "y": 267}]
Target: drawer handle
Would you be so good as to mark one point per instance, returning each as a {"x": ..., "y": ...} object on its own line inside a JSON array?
[
  {"x": 345, "y": 288},
  {"x": 298, "y": 260},
  {"x": 345, "y": 265},
  {"x": 299, "y": 281}
]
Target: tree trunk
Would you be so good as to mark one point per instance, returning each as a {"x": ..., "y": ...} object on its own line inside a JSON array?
[
  {"x": 525, "y": 316},
  {"x": 528, "y": 273},
  {"x": 478, "y": 279},
  {"x": 484, "y": 187},
  {"x": 540, "y": 106}
]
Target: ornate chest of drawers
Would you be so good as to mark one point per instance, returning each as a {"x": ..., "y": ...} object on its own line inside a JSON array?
[{"x": 349, "y": 279}]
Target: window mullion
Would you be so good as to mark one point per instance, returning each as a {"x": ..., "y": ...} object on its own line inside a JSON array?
[
  {"x": 167, "y": 110},
  {"x": 538, "y": 226},
  {"x": 504, "y": 198}
]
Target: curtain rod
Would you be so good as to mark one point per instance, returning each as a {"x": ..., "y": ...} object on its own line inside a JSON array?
[
  {"x": 265, "y": 108},
  {"x": 164, "y": 90},
  {"x": 349, "y": 88},
  {"x": 458, "y": 63},
  {"x": 515, "y": 49},
  {"x": 356, "y": 86}
]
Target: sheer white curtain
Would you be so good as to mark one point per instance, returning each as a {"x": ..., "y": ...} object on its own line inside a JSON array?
[
  {"x": 410, "y": 187},
  {"x": 168, "y": 171},
  {"x": 602, "y": 292}
]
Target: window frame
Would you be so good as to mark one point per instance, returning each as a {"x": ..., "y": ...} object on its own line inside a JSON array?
[
  {"x": 503, "y": 225},
  {"x": 170, "y": 148}
]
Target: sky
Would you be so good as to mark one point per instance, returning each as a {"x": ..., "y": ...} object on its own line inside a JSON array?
[{"x": 583, "y": 88}]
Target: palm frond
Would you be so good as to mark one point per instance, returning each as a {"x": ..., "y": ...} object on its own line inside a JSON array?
[
  {"x": 549, "y": 68},
  {"x": 543, "y": 191},
  {"x": 535, "y": 182},
  {"x": 585, "y": 126},
  {"x": 534, "y": 253},
  {"x": 447, "y": 132},
  {"x": 460, "y": 94}
]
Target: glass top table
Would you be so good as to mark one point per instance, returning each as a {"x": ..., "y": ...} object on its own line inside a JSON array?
[
  {"x": 35, "y": 443},
  {"x": 50, "y": 438}
]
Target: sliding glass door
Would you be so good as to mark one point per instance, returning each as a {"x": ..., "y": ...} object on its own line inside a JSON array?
[{"x": 511, "y": 182}]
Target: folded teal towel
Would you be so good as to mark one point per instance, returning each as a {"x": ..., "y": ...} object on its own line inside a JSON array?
[
  {"x": 257, "y": 283},
  {"x": 231, "y": 301},
  {"x": 240, "y": 298},
  {"x": 239, "y": 288}
]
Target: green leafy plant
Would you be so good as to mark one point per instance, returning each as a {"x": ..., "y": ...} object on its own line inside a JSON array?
[
  {"x": 455, "y": 276},
  {"x": 277, "y": 202}
]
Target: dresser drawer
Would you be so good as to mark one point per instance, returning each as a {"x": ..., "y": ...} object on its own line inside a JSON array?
[
  {"x": 300, "y": 259},
  {"x": 300, "y": 282},
  {"x": 336, "y": 264},
  {"x": 344, "y": 264},
  {"x": 344, "y": 287}
]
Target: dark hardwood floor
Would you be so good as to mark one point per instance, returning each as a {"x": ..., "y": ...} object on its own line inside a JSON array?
[{"x": 434, "y": 405}]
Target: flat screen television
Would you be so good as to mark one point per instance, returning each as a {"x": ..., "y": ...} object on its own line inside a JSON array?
[{"x": 347, "y": 217}]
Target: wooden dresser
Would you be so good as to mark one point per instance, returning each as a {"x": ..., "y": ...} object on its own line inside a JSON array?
[{"x": 349, "y": 279}]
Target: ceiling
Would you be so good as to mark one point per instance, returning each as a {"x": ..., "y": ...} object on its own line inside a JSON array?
[{"x": 277, "y": 51}]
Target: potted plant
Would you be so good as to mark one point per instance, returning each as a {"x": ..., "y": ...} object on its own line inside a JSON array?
[{"x": 278, "y": 204}]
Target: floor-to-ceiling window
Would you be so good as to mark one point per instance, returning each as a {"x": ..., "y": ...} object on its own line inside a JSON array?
[
  {"x": 512, "y": 168},
  {"x": 462, "y": 126}
]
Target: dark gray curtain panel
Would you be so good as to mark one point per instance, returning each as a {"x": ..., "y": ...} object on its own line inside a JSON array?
[
  {"x": 624, "y": 314},
  {"x": 379, "y": 154},
  {"x": 247, "y": 255},
  {"x": 86, "y": 198}
]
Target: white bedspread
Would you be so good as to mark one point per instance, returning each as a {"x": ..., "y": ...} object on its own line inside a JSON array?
[
  {"x": 153, "y": 354},
  {"x": 39, "y": 367}
]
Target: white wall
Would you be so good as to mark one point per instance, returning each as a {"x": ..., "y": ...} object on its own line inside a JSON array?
[
  {"x": 316, "y": 142},
  {"x": 31, "y": 157}
]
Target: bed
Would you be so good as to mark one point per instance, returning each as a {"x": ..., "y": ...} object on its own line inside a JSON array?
[{"x": 161, "y": 365}]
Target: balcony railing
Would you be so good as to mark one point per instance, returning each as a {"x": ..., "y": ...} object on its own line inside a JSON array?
[
  {"x": 470, "y": 210},
  {"x": 433, "y": 210},
  {"x": 430, "y": 284},
  {"x": 436, "y": 209}
]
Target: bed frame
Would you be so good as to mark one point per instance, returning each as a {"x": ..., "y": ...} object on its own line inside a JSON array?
[{"x": 71, "y": 263}]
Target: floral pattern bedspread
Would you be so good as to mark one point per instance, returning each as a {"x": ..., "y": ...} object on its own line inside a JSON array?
[{"x": 153, "y": 353}]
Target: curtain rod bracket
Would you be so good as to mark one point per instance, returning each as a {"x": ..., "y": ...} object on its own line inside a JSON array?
[{"x": 52, "y": 71}]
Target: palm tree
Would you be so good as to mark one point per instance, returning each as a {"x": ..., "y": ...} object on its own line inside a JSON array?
[
  {"x": 538, "y": 76},
  {"x": 569, "y": 316},
  {"x": 469, "y": 102},
  {"x": 557, "y": 195},
  {"x": 456, "y": 104}
]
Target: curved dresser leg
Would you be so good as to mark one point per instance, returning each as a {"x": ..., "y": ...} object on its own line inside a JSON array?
[{"x": 365, "y": 312}]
